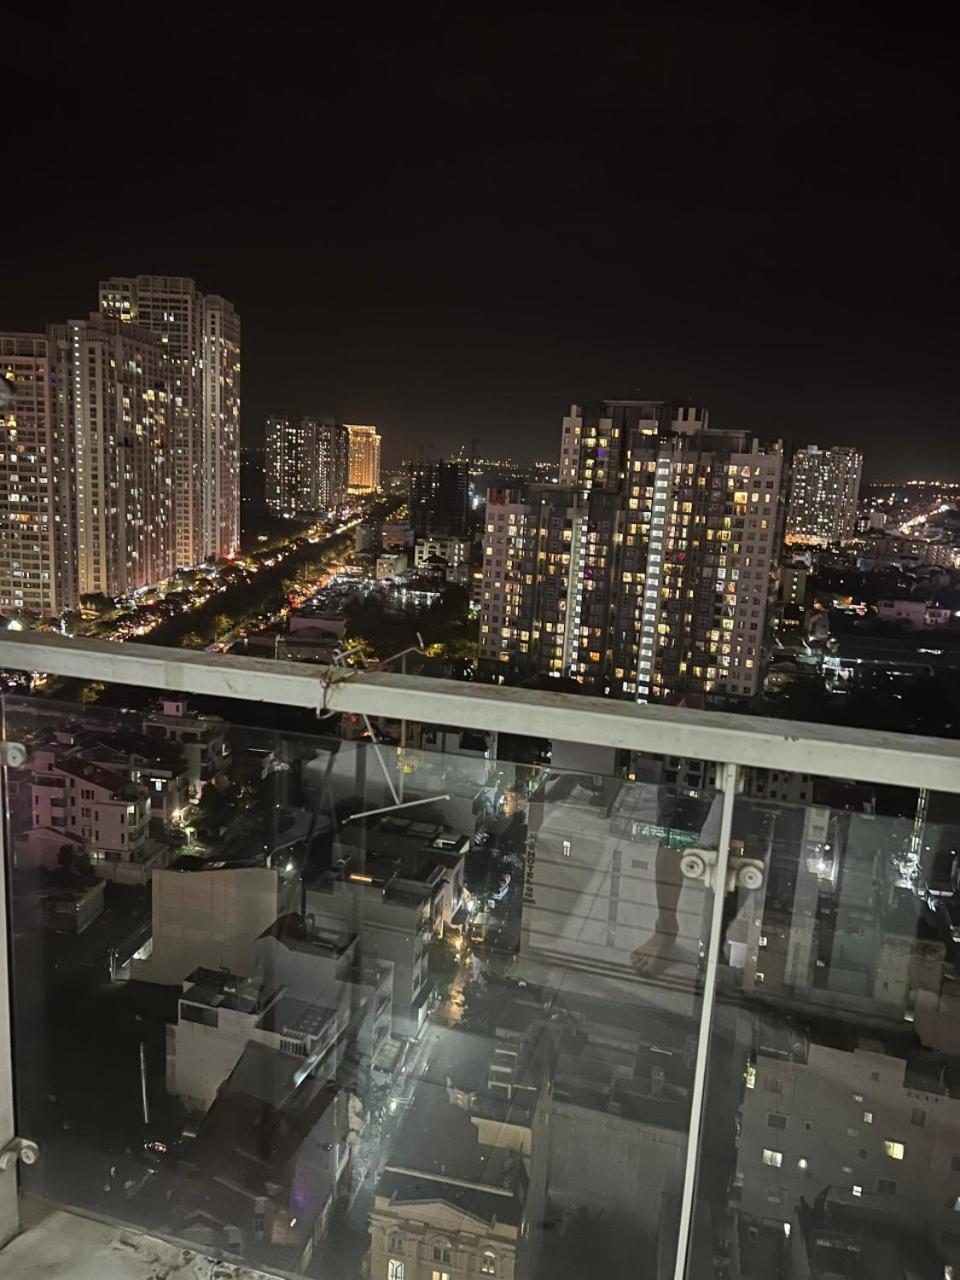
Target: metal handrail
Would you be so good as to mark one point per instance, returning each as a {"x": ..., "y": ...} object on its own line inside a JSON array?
[{"x": 793, "y": 746}]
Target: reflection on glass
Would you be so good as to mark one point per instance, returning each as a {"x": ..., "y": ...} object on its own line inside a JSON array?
[
  {"x": 832, "y": 1141},
  {"x": 389, "y": 1009}
]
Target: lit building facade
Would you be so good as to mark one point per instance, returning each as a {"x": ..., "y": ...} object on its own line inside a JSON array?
[
  {"x": 30, "y": 567},
  {"x": 202, "y": 339},
  {"x": 306, "y": 465},
  {"x": 511, "y": 533},
  {"x": 647, "y": 572},
  {"x": 456, "y": 551},
  {"x": 364, "y": 473},
  {"x": 220, "y": 452},
  {"x": 112, "y": 404},
  {"x": 284, "y": 451},
  {"x": 824, "y": 490}
]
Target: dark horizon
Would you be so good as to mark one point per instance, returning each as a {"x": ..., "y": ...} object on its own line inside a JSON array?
[{"x": 455, "y": 231}]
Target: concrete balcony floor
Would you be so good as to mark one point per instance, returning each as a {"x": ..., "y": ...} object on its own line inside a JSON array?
[{"x": 56, "y": 1245}]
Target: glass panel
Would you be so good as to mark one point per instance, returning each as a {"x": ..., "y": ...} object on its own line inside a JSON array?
[
  {"x": 832, "y": 1136},
  {"x": 425, "y": 1005}
]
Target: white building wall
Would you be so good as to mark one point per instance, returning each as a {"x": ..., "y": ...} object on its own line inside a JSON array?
[
  {"x": 612, "y": 1163},
  {"x": 199, "y": 1057},
  {"x": 213, "y": 919}
]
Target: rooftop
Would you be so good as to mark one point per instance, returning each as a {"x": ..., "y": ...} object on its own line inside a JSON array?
[
  {"x": 216, "y": 988},
  {"x": 400, "y": 848},
  {"x": 298, "y": 935},
  {"x": 438, "y": 1156},
  {"x": 100, "y": 776},
  {"x": 294, "y": 1018}
]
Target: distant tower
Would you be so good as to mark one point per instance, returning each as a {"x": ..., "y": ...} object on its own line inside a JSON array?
[
  {"x": 113, "y": 407},
  {"x": 35, "y": 562},
  {"x": 364, "y": 474},
  {"x": 202, "y": 338},
  {"x": 823, "y": 495},
  {"x": 439, "y": 494},
  {"x": 306, "y": 465}
]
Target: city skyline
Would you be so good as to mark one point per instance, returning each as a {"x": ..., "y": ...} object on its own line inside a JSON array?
[
  {"x": 479, "y": 645},
  {"x": 750, "y": 259},
  {"x": 121, "y": 445}
]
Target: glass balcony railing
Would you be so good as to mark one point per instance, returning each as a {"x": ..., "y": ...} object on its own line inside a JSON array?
[{"x": 333, "y": 1001}]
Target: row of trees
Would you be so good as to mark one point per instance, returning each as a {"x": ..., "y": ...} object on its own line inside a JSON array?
[{"x": 248, "y": 597}]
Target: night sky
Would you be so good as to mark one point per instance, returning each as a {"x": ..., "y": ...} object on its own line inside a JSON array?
[{"x": 453, "y": 226}]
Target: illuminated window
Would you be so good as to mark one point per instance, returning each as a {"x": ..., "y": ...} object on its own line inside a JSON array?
[
  {"x": 395, "y": 1269},
  {"x": 774, "y": 1158},
  {"x": 488, "y": 1263},
  {"x": 895, "y": 1150}
]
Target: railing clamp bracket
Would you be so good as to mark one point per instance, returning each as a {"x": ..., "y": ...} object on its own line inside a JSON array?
[
  {"x": 742, "y": 873},
  {"x": 13, "y": 755},
  {"x": 21, "y": 1149}
]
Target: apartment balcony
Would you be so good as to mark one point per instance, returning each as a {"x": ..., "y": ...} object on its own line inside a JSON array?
[{"x": 687, "y": 1032}]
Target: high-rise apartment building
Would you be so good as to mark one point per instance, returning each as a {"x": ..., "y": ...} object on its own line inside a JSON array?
[
  {"x": 364, "y": 476},
  {"x": 306, "y": 464},
  {"x": 824, "y": 490},
  {"x": 647, "y": 572},
  {"x": 202, "y": 338},
  {"x": 333, "y": 464},
  {"x": 595, "y": 437},
  {"x": 112, "y": 401},
  {"x": 220, "y": 501},
  {"x": 438, "y": 494},
  {"x": 283, "y": 487},
  {"x": 30, "y": 563}
]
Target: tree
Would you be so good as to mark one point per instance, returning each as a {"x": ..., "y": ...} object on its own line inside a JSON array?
[
  {"x": 72, "y": 620},
  {"x": 216, "y": 807},
  {"x": 362, "y": 651},
  {"x": 459, "y": 649},
  {"x": 75, "y": 862},
  {"x": 192, "y": 641},
  {"x": 482, "y": 1001}
]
